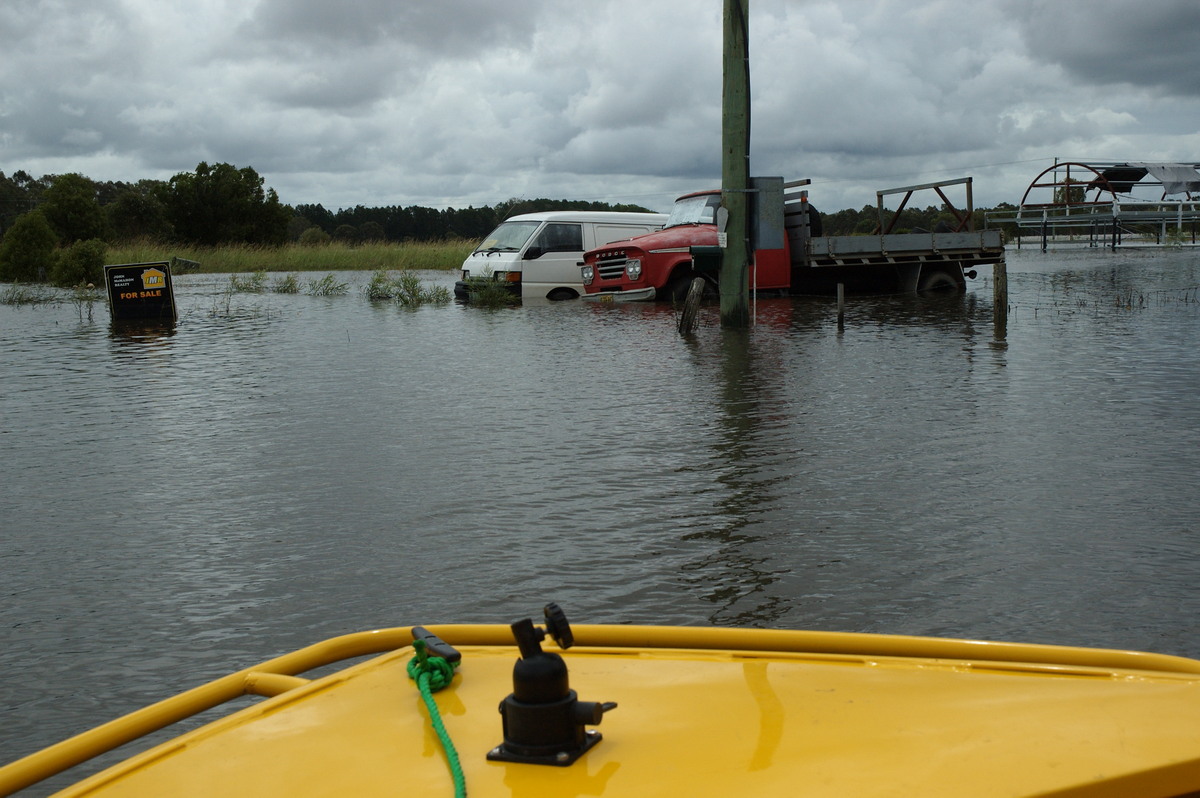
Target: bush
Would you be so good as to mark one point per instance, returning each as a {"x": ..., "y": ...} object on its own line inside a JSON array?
[
  {"x": 314, "y": 237},
  {"x": 81, "y": 264},
  {"x": 27, "y": 252}
]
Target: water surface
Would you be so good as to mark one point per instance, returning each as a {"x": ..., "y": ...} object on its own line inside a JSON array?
[{"x": 278, "y": 469}]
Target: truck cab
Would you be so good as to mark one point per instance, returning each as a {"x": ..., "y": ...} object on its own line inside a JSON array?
[
  {"x": 660, "y": 265},
  {"x": 537, "y": 255}
]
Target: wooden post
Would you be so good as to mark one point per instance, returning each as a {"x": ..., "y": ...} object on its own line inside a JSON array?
[
  {"x": 735, "y": 166},
  {"x": 1000, "y": 299},
  {"x": 841, "y": 293}
]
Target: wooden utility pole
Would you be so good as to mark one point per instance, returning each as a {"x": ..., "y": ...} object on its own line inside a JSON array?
[{"x": 735, "y": 166}]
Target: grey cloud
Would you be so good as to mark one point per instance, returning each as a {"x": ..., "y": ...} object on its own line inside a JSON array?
[
  {"x": 1149, "y": 44},
  {"x": 443, "y": 27},
  {"x": 472, "y": 101}
]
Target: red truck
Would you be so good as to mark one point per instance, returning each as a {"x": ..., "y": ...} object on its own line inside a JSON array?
[{"x": 790, "y": 254}]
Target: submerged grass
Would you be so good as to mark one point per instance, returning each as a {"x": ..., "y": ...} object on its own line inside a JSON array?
[
  {"x": 326, "y": 286},
  {"x": 335, "y": 256},
  {"x": 254, "y": 283},
  {"x": 404, "y": 288},
  {"x": 289, "y": 284},
  {"x": 83, "y": 296},
  {"x": 485, "y": 291},
  {"x": 23, "y": 294}
]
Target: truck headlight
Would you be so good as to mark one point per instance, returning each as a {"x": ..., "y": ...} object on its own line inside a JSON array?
[
  {"x": 633, "y": 268},
  {"x": 588, "y": 272}
]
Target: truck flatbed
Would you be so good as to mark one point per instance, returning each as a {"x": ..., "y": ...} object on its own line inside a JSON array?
[{"x": 967, "y": 248}]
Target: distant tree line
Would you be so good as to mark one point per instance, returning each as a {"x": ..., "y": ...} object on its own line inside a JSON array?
[
  {"x": 42, "y": 219},
  {"x": 222, "y": 204},
  {"x": 931, "y": 219}
]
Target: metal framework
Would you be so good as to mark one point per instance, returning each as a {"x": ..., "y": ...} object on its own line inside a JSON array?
[
  {"x": 965, "y": 218},
  {"x": 1059, "y": 206}
]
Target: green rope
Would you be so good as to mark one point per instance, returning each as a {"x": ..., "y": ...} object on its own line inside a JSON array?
[{"x": 432, "y": 674}]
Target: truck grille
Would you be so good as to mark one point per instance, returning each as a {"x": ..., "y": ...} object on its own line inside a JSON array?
[{"x": 611, "y": 266}]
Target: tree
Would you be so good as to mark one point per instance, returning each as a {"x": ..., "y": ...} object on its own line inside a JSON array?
[
  {"x": 296, "y": 227},
  {"x": 1071, "y": 192},
  {"x": 840, "y": 223},
  {"x": 27, "y": 252},
  {"x": 80, "y": 264},
  {"x": 72, "y": 210},
  {"x": 223, "y": 204},
  {"x": 139, "y": 211},
  {"x": 14, "y": 201},
  {"x": 868, "y": 220},
  {"x": 346, "y": 232},
  {"x": 316, "y": 214}
]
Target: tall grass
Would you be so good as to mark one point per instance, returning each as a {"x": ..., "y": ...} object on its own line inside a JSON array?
[{"x": 335, "y": 256}]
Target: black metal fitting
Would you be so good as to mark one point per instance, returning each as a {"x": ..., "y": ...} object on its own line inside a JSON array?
[{"x": 544, "y": 720}]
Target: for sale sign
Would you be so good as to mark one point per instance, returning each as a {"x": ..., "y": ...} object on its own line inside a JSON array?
[{"x": 140, "y": 291}]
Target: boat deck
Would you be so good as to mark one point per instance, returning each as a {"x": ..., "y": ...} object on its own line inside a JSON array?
[{"x": 698, "y": 712}]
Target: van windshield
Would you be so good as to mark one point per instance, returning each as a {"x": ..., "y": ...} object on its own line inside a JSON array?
[
  {"x": 694, "y": 210},
  {"x": 508, "y": 237}
]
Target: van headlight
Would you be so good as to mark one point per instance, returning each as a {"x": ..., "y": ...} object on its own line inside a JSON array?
[
  {"x": 633, "y": 268},
  {"x": 588, "y": 272}
]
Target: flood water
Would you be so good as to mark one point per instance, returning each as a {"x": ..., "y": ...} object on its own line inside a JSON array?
[{"x": 278, "y": 469}]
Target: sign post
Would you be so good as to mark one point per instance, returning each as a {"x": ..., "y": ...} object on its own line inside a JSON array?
[{"x": 141, "y": 292}]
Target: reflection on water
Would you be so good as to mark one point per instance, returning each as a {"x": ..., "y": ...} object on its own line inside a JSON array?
[
  {"x": 278, "y": 468},
  {"x": 141, "y": 332}
]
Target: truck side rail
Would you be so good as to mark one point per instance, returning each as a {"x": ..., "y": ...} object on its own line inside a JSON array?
[{"x": 984, "y": 246}]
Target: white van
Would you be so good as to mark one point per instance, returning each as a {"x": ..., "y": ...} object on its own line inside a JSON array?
[{"x": 538, "y": 254}]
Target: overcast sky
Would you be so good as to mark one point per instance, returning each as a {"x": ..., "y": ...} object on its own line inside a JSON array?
[{"x": 472, "y": 102}]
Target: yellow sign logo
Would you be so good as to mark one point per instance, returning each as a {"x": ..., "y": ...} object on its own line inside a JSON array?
[{"x": 154, "y": 278}]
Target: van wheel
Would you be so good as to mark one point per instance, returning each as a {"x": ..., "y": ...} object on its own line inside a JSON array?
[
  {"x": 561, "y": 294},
  {"x": 940, "y": 281}
]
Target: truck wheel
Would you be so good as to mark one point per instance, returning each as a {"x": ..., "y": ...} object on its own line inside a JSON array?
[
  {"x": 939, "y": 280},
  {"x": 561, "y": 294},
  {"x": 677, "y": 288}
]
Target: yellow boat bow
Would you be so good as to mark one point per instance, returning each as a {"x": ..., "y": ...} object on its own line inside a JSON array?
[{"x": 698, "y": 712}]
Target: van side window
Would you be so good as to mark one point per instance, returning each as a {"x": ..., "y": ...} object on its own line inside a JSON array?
[{"x": 560, "y": 237}]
